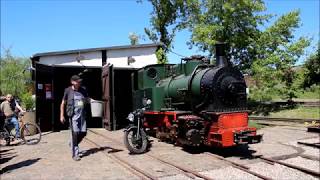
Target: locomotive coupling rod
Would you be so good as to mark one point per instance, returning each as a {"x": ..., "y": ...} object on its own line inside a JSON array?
[{"x": 308, "y": 171}]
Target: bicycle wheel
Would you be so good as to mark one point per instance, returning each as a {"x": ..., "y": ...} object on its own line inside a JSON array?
[{"x": 31, "y": 133}]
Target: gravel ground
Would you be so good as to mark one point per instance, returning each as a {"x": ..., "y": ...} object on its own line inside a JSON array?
[
  {"x": 278, "y": 171},
  {"x": 51, "y": 158},
  {"x": 311, "y": 151},
  {"x": 229, "y": 173},
  {"x": 306, "y": 163}
]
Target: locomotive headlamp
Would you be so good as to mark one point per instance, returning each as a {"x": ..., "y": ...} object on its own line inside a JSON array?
[
  {"x": 146, "y": 101},
  {"x": 130, "y": 117}
]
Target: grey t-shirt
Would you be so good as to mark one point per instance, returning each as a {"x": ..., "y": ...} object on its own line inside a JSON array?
[{"x": 78, "y": 120}]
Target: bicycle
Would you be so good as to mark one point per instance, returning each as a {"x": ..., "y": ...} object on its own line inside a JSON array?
[{"x": 30, "y": 133}]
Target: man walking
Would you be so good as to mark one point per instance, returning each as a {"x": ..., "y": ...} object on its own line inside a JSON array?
[{"x": 74, "y": 101}]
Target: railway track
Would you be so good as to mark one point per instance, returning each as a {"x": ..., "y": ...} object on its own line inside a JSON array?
[
  {"x": 131, "y": 168},
  {"x": 315, "y": 145},
  {"x": 296, "y": 120},
  {"x": 239, "y": 166},
  {"x": 186, "y": 171}
]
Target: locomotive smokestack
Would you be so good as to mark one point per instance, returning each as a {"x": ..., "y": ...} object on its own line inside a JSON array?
[{"x": 221, "y": 59}]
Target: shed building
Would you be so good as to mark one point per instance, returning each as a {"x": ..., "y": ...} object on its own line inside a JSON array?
[{"x": 106, "y": 74}]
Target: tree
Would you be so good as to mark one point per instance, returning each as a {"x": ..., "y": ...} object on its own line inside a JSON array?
[
  {"x": 167, "y": 17},
  {"x": 134, "y": 38},
  {"x": 312, "y": 70},
  {"x": 277, "y": 53},
  {"x": 235, "y": 22},
  {"x": 14, "y": 78},
  {"x": 267, "y": 53}
]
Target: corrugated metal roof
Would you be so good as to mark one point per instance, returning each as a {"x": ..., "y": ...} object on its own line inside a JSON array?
[{"x": 94, "y": 49}]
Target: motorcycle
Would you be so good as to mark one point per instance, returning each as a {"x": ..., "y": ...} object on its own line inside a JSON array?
[{"x": 135, "y": 137}]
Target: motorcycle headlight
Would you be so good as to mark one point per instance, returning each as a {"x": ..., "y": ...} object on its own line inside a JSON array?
[{"x": 130, "y": 117}]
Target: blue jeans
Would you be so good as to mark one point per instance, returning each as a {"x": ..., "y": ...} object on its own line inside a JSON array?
[{"x": 15, "y": 122}]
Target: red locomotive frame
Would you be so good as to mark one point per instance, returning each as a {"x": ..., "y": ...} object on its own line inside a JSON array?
[{"x": 219, "y": 129}]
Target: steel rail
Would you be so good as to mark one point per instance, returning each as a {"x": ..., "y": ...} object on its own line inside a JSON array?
[
  {"x": 239, "y": 166},
  {"x": 182, "y": 168},
  {"x": 125, "y": 164},
  {"x": 308, "y": 171},
  {"x": 185, "y": 171},
  {"x": 258, "y": 118},
  {"x": 245, "y": 168},
  {"x": 315, "y": 145}
]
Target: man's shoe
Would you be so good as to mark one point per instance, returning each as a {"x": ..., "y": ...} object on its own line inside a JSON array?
[{"x": 76, "y": 158}]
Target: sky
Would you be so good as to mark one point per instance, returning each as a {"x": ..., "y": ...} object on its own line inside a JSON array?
[{"x": 33, "y": 26}]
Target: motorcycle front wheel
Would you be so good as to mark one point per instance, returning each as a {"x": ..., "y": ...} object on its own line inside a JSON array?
[{"x": 134, "y": 143}]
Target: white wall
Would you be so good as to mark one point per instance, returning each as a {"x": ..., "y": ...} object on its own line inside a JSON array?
[
  {"x": 117, "y": 57},
  {"x": 142, "y": 56},
  {"x": 87, "y": 59}
]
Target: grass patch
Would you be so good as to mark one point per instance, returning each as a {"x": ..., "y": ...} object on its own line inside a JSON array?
[
  {"x": 255, "y": 124},
  {"x": 309, "y": 95},
  {"x": 298, "y": 112}
]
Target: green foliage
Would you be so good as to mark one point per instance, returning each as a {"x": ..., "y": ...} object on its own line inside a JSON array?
[
  {"x": 312, "y": 92},
  {"x": 261, "y": 94},
  {"x": 27, "y": 101},
  {"x": 298, "y": 112},
  {"x": 14, "y": 78},
  {"x": 277, "y": 55},
  {"x": 167, "y": 17},
  {"x": 134, "y": 38},
  {"x": 312, "y": 70},
  {"x": 161, "y": 56},
  {"x": 232, "y": 21},
  {"x": 255, "y": 124},
  {"x": 267, "y": 53}
]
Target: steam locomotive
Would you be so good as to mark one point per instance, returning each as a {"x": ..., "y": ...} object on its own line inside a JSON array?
[{"x": 195, "y": 103}]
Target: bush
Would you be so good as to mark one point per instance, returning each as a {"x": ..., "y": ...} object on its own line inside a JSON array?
[
  {"x": 27, "y": 101},
  {"x": 262, "y": 95}
]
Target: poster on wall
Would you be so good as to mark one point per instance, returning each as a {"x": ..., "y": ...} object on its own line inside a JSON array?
[
  {"x": 40, "y": 86},
  {"x": 48, "y": 95},
  {"x": 48, "y": 90}
]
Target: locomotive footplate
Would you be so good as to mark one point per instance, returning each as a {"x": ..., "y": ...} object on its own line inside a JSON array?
[{"x": 247, "y": 137}]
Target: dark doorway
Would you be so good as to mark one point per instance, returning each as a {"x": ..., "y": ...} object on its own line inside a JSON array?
[
  {"x": 44, "y": 105},
  {"x": 52, "y": 80},
  {"x": 122, "y": 96},
  {"x": 58, "y": 77},
  {"x": 91, "y": 81}
]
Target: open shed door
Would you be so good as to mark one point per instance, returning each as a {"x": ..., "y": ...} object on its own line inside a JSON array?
[
  {"x": 44, "y": 97},
  {"x": 107, "y": 96}
]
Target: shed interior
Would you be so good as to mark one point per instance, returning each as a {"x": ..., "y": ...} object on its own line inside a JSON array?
[{"x": 48, "y": 109}]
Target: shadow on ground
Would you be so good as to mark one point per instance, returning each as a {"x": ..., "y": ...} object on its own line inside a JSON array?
[
  {"x": 6, "y": 155},
  {"x": 242, "y": 151},
  {"x": 21, "y": 164},
  {"x": 95, "y": 150}
]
